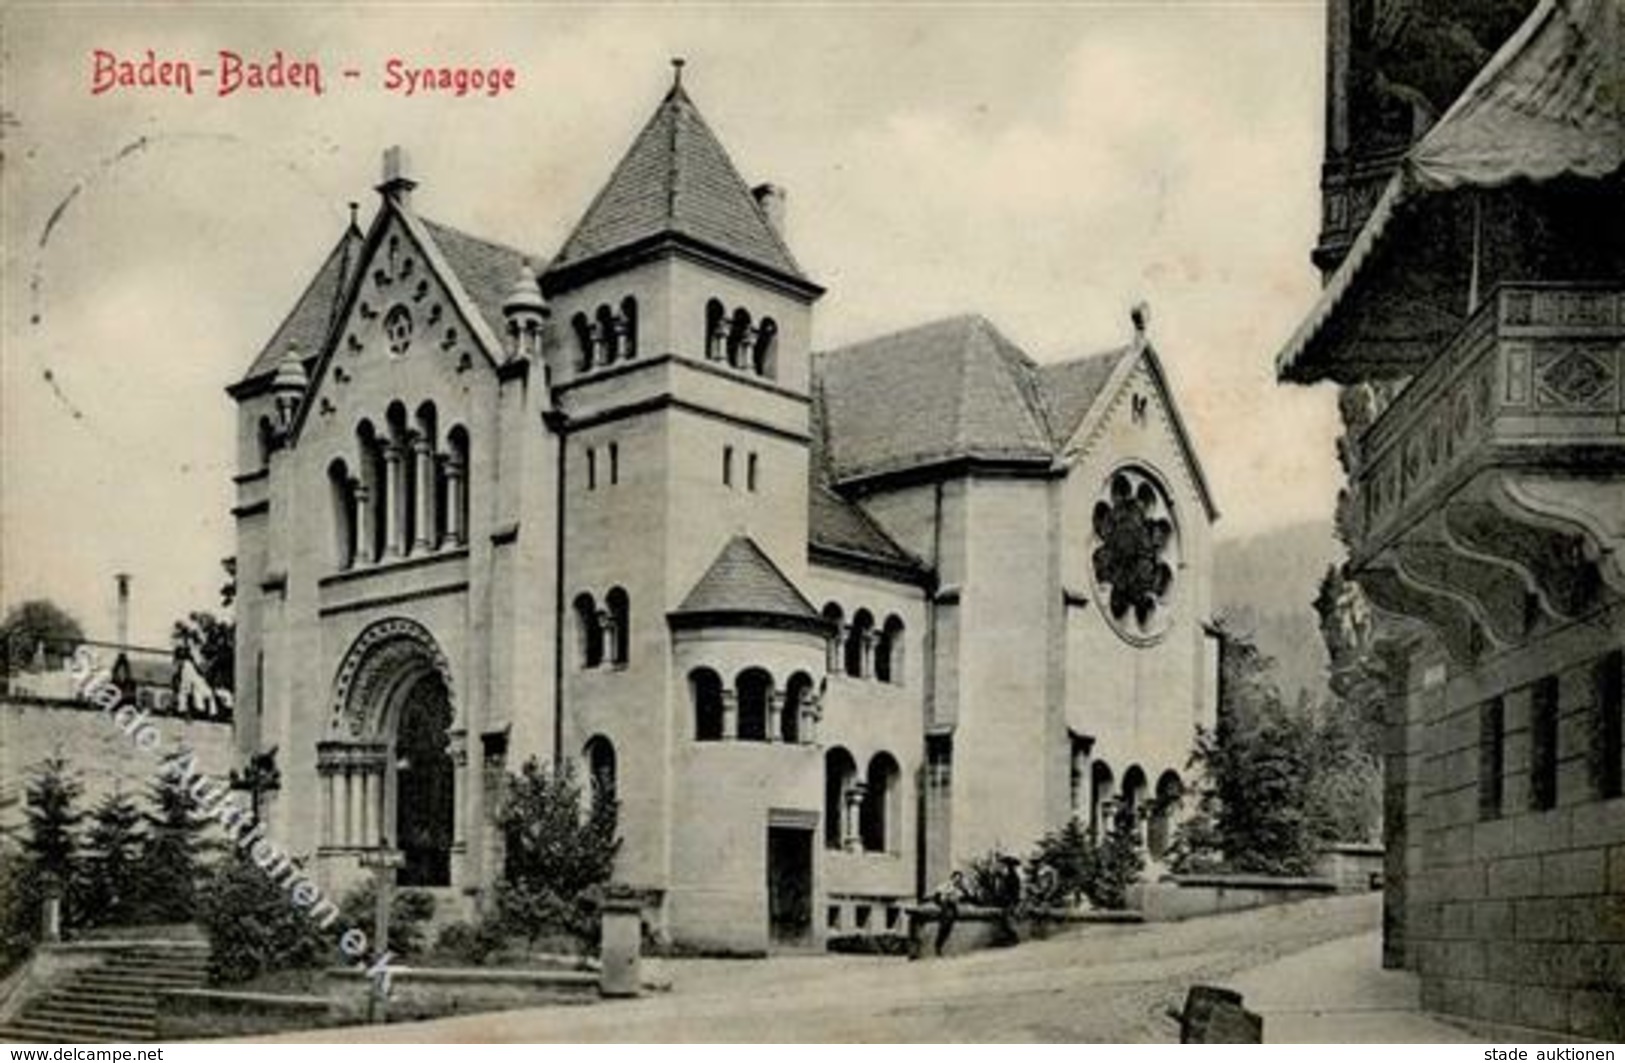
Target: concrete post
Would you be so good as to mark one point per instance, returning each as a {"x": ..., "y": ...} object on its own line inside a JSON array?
[
  {"x": 620, "y": 951},
  {"x": 51, "y": 918}
]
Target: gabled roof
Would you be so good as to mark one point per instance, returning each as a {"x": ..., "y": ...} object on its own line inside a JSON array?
[
  {"x": 943, "y": 391},
  {"x": 1547, "y": 105},
  {"x": 307, "y": 324},
  {"x": 677, "y": 181},
  {"x": 957, "y": 390},
  {"x": 744, "y": 585},
  {"x": 485, "y": 269},
  {"x": 1073, "y": 386}
]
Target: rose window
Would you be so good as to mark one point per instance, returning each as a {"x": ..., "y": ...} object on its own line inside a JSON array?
[
  {"x": 1136, "y": 554},
  {"x": 398, "y": 329}
]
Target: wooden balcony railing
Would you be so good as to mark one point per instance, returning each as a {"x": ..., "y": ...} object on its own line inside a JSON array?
[{"x": 1532, "y": 380}]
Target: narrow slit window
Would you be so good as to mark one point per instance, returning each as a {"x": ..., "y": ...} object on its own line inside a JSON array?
[
  {"x": 1608, "y": 727},
  {"x": 592, "y": 469},
  {"x": 1491, "y": 757},
  {"x": 750, "y": 472},
  {"x": 614, "y": 463},
  {"x": 1543, "y": 745},
  {"x": 728, "y": 466}
]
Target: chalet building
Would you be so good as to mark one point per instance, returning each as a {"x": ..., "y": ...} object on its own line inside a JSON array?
[
  {"x": 1474, "y": 314},
  {"x": 829, "y": 624}
]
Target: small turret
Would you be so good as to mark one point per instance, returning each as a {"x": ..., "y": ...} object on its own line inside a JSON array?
[
  {"x": 527, "y": 312},
  {"x": 288, "y": 388}
]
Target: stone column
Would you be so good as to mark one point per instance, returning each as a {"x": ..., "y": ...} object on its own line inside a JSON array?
[
  {"x": 369, "y": 809},
  {"x": 327, "y": 810},
  {"x": 623, "y": 337},
  {"x": 809, "y": 717},
  {"x": 837, "y": 649},
  {"x": 775, "y": 716},
  {"x": 350, "y": 832},
  {"x": 455, "y": 532},
  {"x": 718, "y": 348},
  {"x": 851, "y": 834},
  {"x": 459, "y": 790},
  {"x": 871, "y": 639},
  {"x": 611, "y": 634},
  {"x": 395, "y": 500},
  {"x": 600, "y": 344},
  {"x": 426, "y": 535},
  {"x": 730, "y": 715},
  {"x": 365, "y": 537}
]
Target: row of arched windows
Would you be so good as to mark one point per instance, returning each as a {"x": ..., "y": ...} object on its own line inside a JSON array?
[
  {"x": 754, "y": 709},
  {"x": 603, "y": 631},
  {"x": 862, "y": 649},
  {"x": 407, "y": 492},
  {"x": 862, "y": 812},
  {"x": 1153, "y": 813},
  {"x": 606, "y": 337},
  {"x": 740, "y": 342}
]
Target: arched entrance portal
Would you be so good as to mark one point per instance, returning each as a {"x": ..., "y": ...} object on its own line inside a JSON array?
[
  {"x": 389, "y": 765},
  {"x": 425, "y": 801}
]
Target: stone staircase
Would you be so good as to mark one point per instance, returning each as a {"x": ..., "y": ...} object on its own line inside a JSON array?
[{"x": 115, "y": 1000}]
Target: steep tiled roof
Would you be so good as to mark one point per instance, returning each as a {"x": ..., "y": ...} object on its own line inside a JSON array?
[
  {"x": 676, "y": 179},
  {"x": 946, "y": 390},
  {"x": 743, "y": 581},
  {"x": 836, "y": 523},
  {"x": 485, "y": 269},
  {"x": 307, "y": 323},
  {"x": 1072, "y": 387}
]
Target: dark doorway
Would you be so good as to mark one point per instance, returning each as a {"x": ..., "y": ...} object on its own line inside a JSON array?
[
  {"x": 789, "y": 884},
  {"x": 425, "y": 805}
]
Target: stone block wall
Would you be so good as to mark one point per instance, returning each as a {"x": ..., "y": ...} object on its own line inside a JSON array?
[{"x": 1515, "y": 911}]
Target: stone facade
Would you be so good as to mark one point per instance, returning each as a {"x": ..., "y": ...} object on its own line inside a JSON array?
[
  {"x": 829, "y": 624},
  {"x": 1485, "y": 452}
]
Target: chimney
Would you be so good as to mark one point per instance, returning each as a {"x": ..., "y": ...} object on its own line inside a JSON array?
[
  {"x": 397, "y": 184},
  {"x": 122, "y": 580},
  {"x": 772, "y": 198}
]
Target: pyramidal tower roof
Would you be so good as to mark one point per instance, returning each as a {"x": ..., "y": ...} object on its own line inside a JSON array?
[{"x": 677, "y": 182}]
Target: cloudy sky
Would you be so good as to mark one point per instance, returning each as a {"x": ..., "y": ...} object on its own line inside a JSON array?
[{"x": 1045, "y": 166}]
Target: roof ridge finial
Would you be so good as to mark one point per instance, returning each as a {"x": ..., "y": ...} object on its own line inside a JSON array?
[
  {"x": 677, "y": 64},
  {"x": 1140, "y": 314},
  {"x": 354, "y": 206}
]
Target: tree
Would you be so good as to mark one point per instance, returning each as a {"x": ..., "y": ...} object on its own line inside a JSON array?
[
  {"x": 35, "y": 624},
  {"x": 50, "y": 839},
  {"x": 50, "y": 859},
  {"x": 252, "y": 927},
  {"x": 19, "y": 910},
  {"x": 1119, "y": 862},
  {"x": 213, "y": 644},
  {"x": 557, "y": 857},
  {"x": 111, "y": 893},
  {"x": 172, "y": 860},
  {"x": 1253, "y": 809}
]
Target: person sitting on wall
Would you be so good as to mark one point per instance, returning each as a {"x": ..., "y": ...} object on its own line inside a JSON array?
[
  {"x": 1009, "y": 896},
  {"x": 947, "y": 898}
]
